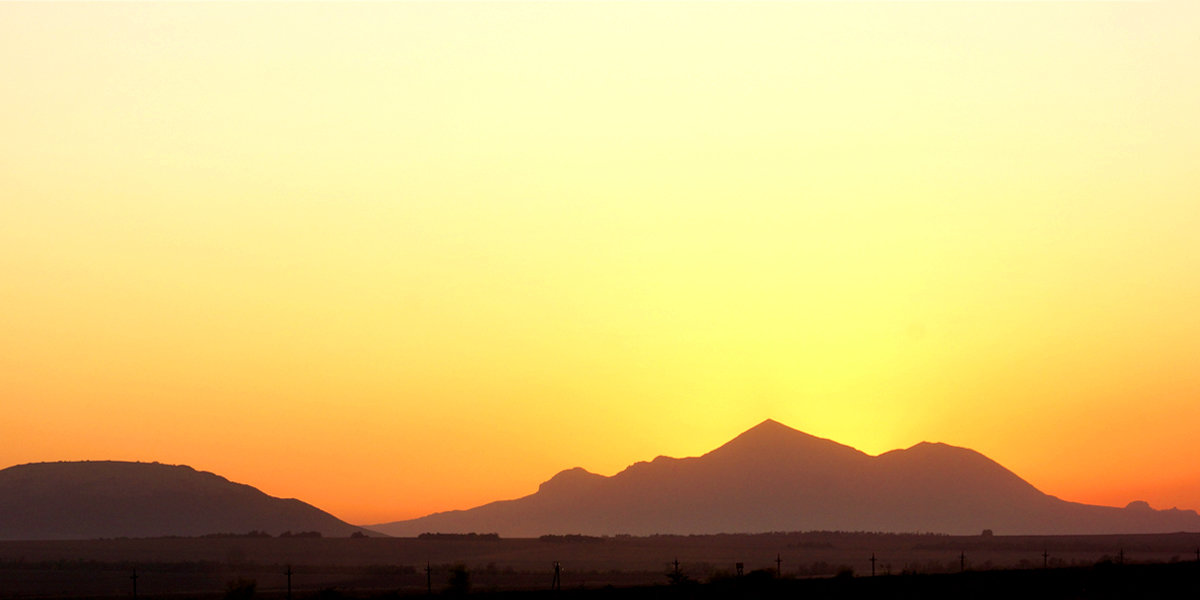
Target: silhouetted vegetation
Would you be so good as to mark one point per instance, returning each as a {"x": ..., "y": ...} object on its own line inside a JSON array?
[
  {"x": 817, "y": 565},
  {"x": 459, "y": 580},
  {"x": 571, "y": 538},
  {"x": 249, "y": 534},
  {"x": 301, "y": 534},
  {"x": 676, "y": 575},
  {"x": 471, "y": 537},
  {"x": 240, "y": 589}
]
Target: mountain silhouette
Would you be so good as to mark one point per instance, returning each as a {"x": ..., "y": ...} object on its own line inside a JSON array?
[
  {"x": 85, "y": 500},
  {"x": 775, "y": 478}
]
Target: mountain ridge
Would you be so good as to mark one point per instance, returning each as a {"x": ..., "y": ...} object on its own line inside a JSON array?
[
  {"x": 106, "y": 499},
  {"x": 775, "y": 478}
]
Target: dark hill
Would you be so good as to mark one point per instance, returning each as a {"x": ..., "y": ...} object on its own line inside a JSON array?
[
  {"x": 775, "y": 478},
  {"x": 83, "y": 500}
]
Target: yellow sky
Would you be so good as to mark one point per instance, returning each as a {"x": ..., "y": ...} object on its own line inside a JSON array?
[{"x": 393, "y": 258}]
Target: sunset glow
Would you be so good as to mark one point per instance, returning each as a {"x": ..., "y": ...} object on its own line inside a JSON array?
[{"x": 397, "y": 258}]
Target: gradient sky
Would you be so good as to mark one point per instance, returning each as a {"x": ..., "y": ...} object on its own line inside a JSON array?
[{"x": 393, "y": 258}]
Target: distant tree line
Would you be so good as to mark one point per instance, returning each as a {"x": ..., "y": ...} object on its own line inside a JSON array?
[
  {"x": 571, "y": 538},
  {"x": 287, "y": 534},
  {"x": 300, "y": 534},
  {"x": 471, "y": 537},
  {"x": 249, "y": 534}
]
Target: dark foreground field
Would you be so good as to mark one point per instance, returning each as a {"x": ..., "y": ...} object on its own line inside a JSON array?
[{"x": 811, "y": 565}]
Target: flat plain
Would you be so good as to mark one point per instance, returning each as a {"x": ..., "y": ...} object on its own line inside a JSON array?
[{"x": 206, "y": 567}]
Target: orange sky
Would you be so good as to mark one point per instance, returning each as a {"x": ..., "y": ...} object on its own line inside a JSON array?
[{"x": 393, "y": 258}]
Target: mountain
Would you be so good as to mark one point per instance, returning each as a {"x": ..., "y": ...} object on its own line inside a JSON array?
[
  {"x": 84, "y": 500},
  {"x": 775, "y": 478}
]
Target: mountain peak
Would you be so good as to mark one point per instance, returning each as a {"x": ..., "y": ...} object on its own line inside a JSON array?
[
  {"x": 771, "y": 437},
  {"x": 769, "y": 424},
  {"x": 772, "y": 477},
  {"x": 770, "y": 428},
  {"x": 937, "y": 453},
  {"x": 571, "y": 480}
]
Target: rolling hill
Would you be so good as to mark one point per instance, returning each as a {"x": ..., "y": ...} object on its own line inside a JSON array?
[
  {"x": 775, "y": 478},
  {"x": 85, "y": 500}
]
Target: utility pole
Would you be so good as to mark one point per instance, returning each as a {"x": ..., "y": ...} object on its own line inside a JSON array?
[
  {"x": 428, "y": 578},
  {"x": 1045, "y": 558},
  {"x": 872, "y": 564},
  {"x": 778, "y": 566},
  {"x": 557, "y": 583},
  {"x": 134, "y": 578},
  {"x": 1121, "y": 556},
  {"x": 288, "y": 572}
]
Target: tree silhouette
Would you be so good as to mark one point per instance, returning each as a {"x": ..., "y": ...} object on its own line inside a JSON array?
[
  {"x": 240, "y": 589},
  {"x": 459, "y": 581}
]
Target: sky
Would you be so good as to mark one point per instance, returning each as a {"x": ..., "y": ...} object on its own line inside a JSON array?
[{"x": 397, "y": 258}]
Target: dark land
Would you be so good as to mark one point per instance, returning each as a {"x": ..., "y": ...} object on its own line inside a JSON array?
[
  {"x": 107, "y": 530},
  {"x": 813, "y": 564},
  {"x": 95, "y": 499},
  {"x": 775, "y": 478},
  {"x": 769, "y": 478}
]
